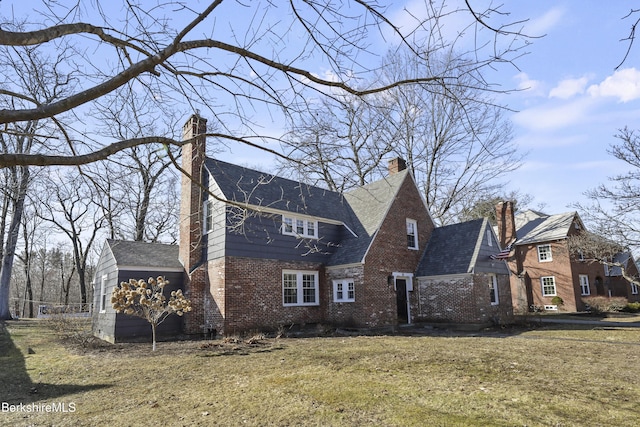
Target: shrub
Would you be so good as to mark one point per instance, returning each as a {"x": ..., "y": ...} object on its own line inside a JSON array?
[
  {"x": 74, "y": 330},
  {"x": 557, "y": 301},
  {"x": 632, "y": 307},
  {"x": 605, "y": 304}
]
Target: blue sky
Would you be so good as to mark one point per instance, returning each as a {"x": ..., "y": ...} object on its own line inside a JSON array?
[
  {"x": 570, "y": 101},
  {"x": 573, "y": 101}
]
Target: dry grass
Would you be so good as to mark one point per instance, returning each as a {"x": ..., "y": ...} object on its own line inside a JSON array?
[{"x": 560, "y": 376}]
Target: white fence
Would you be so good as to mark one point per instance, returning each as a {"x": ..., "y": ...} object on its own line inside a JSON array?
[{"x": 71, "y": 310}]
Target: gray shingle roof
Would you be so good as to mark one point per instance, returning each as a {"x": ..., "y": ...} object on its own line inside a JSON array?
[
  {"x": 144, "y": 255},
  {"x": 371, "y": 202},
  {"x": 452, "y": 249},
  {"x": 244, "y": 185},
  {"x": 361, "y": 210},
  {"x": 533, "y": 227}
]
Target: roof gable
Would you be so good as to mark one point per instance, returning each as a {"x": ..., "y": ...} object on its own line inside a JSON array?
[
  {"x": 372, "y": 202},
  {"x": 452, "y": 249},
  {"x": 533, "y": 227}
]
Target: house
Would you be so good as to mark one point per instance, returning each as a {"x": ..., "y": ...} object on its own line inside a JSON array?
[
  {"x": 260, "y": 252},
  {"x": 545, "y": 274},
  {"x": 120, "y": 261},
  {"x": 459, "y": 281},
  {"x": 614, "y": 285}
]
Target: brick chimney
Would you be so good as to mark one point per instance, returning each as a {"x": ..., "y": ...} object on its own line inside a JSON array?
[
  {"x": 506, "y": 223},
  {"x": 396, "y": 165},
  {"x": 191, "y": 209},
  {"x": 191, "y": 220}
]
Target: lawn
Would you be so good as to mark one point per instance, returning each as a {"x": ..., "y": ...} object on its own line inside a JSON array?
[{"x": 546, "y": 376}]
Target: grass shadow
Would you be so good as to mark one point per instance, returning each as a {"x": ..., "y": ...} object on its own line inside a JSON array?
[{"x": 17, "y": 386}]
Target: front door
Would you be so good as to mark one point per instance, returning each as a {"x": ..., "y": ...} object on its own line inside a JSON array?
[{"x": 401, "y": 299}]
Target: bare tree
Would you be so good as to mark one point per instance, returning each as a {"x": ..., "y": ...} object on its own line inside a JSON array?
[
  {"x": 70, "y": 207},
  {"x": 593, "y": 247},
  {"x": 614, "y": 208},
  {"x": 267, "y": 64},
  {"x": 485, "y": 206},
  {"x": 454, "y": 137},
  {"x": 339, "y": 143},
  {"x": 245, "y": 74}
]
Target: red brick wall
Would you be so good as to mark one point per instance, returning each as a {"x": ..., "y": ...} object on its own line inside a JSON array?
[
  {"x": 253, "y": 296},
  {"x": 389, "y": 253},
  {"x": 463, "y": 299},
  {"x": 190, "y": 223},
  {"x": 565, "y": 270},
  {"x": 346, "y": 313},
  {"x": 194, "y": 321}
]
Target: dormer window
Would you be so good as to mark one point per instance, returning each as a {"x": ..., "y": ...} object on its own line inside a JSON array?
[{"x": 299, "y": 227}]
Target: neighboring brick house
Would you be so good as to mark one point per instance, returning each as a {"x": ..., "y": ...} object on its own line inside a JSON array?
[
  {"x": 543, "y": 269},
  {"x": 260, "y": 252}
]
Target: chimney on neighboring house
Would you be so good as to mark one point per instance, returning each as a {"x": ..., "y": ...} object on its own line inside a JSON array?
[
  {"x": 190, "y": 251},
  {"x": 506, "y": 223},
  {"x": 396, "y": 165}
]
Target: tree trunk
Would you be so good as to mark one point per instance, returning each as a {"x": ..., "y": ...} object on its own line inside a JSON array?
[
  {"x": 11, "y": 243},
  {"x": 153, "y": 335}
]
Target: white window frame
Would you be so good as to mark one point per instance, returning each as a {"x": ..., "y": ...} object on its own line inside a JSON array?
[
  {"x": 208, "y": 216},
  {"x": 548, "y": 257},
  {"x": 344, "y": 290},
  {"x": 103, "y": 294},
  {"x": 291, "y": 226},
  {"x": 542, "y": 285},
  {"x": 585, "y": 289},
  {"x": 412, "y": 230},
  {"x": 489, "y": 238},
  {"x": 300, "y": 288},
  {"x": 634, "y": 289},
  {"x": 493, "y": 290}
]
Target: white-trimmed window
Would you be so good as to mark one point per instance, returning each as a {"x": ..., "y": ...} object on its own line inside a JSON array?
[
  {"x": 208, "y": 215},
  {"x": 607, "y": 271},
  {"x": 344, "y": 290},
  {"x": 299, "y": 227},
  {"x": 548, "y": 286},
  {"x": 544, "y": 253},
  {"x": 584, "y": 285},
  {"x": 103, "y": 294},
  {"x": 493, "y": 289},
  {"x": 300, "y": 288},
  {"x": 489, "y": 238},
  {"x": 412, "y": 234},
  {"x": 634, "y": 289}
]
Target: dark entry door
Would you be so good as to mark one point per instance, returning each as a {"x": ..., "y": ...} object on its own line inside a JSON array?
[{"x": 401, "y": 299}]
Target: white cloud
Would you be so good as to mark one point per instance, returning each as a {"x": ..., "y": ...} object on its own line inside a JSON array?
[
  {"x": 527, "y": 84},
  {"x": 548, "y": 118},
  {"x": 568, "y": 88},
  {"x": 623, "y": 84},
  {"x": 541, "y": 26}
]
